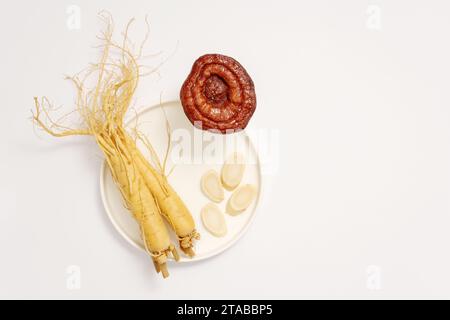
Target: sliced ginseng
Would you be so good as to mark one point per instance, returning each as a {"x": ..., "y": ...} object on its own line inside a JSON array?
[
  {"x": 241, "y": 199},
  {"x": 211, "y": 186},
  {"x": 233, "y": 171},
  {"x": 214, "y": 220}
]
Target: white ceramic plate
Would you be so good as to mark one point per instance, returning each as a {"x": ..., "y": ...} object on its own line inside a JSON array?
[{"x": 200, "y": 151}]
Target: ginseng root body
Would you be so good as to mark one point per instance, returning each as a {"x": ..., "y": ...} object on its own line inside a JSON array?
[{"x": 144, "y": 188}]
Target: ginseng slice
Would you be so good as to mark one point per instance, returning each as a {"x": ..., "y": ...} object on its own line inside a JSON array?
[
  {"x": 233, "y": 171},
  {"x": 212, "y": 187},
  {"x": 241, "y": 199},
  {"x": 213, "y": 220}
]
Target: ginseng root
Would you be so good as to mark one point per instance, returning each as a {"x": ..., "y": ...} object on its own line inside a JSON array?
[
  {"x": 169, "y": 202},
  {"x": 101, "y": 110}
]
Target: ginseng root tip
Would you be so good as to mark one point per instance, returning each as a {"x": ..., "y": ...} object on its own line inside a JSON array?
[
  {"x": 157, "y": 267},
  {"x": 189, "y": 251},
  {"x": 164, "y": 271}
]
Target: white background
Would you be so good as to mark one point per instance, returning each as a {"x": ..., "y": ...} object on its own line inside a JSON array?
[{"x": 359, "y": 207}]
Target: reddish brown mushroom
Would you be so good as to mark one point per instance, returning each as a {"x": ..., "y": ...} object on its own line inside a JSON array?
[{"x": 218, "y": 94}]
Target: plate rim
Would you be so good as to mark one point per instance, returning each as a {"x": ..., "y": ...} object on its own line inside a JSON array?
[{"x": 228, "y": 245}]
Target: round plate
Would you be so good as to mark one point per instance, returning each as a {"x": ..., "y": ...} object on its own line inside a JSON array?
[{"x": 193, "y": 152}]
